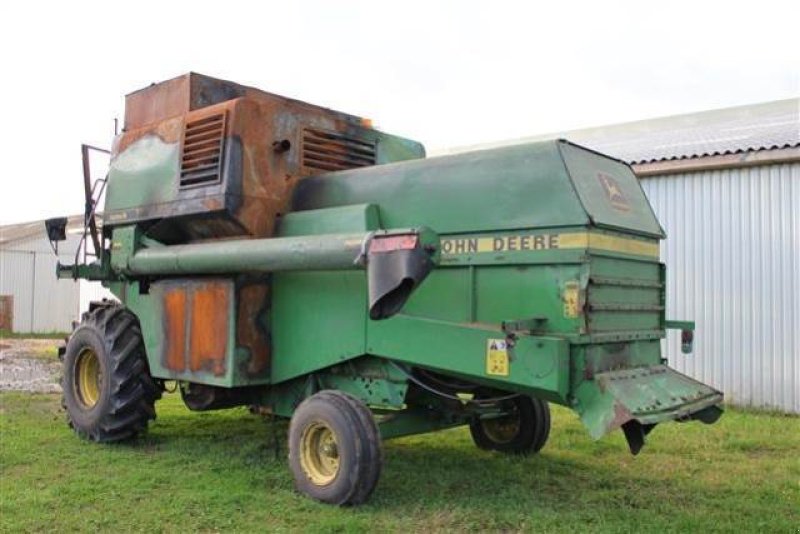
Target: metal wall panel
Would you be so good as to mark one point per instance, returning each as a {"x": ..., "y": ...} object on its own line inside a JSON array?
[
  {"x": 55, "y": 301},
  {"x": 733, "y": 265},
  {"x": 16, "y": 278},
  {"x": 42, "y": 303}
]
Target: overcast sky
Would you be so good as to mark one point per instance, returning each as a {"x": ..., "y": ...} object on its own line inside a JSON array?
[{"x": 444, "y": 73}]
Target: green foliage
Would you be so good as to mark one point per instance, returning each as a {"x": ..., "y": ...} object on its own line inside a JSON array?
[{"x": 218, "y": 472}]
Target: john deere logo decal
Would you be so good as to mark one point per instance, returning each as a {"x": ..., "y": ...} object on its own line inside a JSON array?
[{"x": 613, "y": 192}]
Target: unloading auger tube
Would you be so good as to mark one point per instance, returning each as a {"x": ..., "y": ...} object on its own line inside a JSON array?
[
  {"x": 390, "y": 277},
  {"x": 323, "y": 252},
  {"x": 270, "y": 253}
]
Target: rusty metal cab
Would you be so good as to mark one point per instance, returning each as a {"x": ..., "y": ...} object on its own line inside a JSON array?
[{"x": 203, "y": 158}]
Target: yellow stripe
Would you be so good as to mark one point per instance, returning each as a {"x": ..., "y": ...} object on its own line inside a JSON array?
[
  {"x": 577, "y": 240},
  {"x": 608, "y": 242},
  {"x": 573, "y": 240},
  {"x": 485, "y": 244}
]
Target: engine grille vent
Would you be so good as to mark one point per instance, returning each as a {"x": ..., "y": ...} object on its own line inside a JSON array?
[
  {"x": 333, "y": 151},
  {"x": 201, "y": 161}
]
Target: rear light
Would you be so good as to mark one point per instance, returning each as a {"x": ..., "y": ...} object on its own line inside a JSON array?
[
  {"x": 393, "y": 242},
  {"x": 687, "y": 340}
]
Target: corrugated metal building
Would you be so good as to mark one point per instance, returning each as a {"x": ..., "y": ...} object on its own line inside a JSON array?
[
  {"x": 42, "y": 303},
  {"x": 725, "y": 185}
]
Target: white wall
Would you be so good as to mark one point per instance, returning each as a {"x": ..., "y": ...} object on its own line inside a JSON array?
[
  {"x": 43, "y": 303},
  {"x": 733, "y": 265}
]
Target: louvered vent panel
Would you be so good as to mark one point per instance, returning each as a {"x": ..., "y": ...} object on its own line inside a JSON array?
[
  {"x": 201, "y": 161},
  {"x": 333, "y": 151}
]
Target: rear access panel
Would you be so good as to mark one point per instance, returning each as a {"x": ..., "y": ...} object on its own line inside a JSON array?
[
  {"x": 197, "y": 317},
  {"x": 209, "y": 332}
]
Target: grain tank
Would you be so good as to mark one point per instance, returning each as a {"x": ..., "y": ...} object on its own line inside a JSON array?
[{"x": 271, "y": 253}]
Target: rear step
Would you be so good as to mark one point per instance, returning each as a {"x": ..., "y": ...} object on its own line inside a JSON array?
[{"x": 637, "y": 399}]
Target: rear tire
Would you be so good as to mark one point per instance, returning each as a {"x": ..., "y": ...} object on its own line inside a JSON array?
[
  {"x": 108, "y": 392},
  {"x": 334, "y": 449},
  {"x": 523, "y": 431}
]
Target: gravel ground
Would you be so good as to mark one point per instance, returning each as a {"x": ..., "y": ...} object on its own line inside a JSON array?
[{"x": 29, "y": 365}]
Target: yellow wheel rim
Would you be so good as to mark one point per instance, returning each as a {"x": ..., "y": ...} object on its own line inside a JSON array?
[
  {"x": 502, "y": 429},
  {"x": 319, "y": 454},
  {"x": 88, "y": 378}
]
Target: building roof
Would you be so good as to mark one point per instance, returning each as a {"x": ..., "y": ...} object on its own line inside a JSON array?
[
  {"x": 12, "y": 233},
  {"x": 750, "y": 128}
]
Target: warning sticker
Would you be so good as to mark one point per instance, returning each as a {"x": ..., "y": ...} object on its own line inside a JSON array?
[
  {"x": 572, "y": 294},
  {"x": 497, "y": 357}
]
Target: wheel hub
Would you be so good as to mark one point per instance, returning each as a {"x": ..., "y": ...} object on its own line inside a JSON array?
[
  {"x": 502, "y": 429},
  {"x": 88, "y": 378},
  {"x": 319, "y": 456}
]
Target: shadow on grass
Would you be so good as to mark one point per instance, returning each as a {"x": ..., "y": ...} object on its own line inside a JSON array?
[
  {"x": 218, "y": 471},
  {"x": 461, "y": 477},
  {"x": 438, "y": 471}
]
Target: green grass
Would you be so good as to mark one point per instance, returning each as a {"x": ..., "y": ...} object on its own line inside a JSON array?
[
  {"x": 6, "y": 334},
  {"x": 218, "y": 472},
  {"x": 47, "y": 354}
]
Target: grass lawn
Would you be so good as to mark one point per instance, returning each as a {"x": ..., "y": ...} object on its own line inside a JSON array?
[
  {"x": 6, "y": 334},
  {"x": 217, "y": 471}
]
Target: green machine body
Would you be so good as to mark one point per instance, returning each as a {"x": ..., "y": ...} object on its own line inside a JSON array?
[{"x": 271, "y": 253}]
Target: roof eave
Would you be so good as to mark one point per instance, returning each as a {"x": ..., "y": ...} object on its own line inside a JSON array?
[{"x": 718, "y": 162}]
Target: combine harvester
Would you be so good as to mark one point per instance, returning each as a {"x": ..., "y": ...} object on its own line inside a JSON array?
[{"x": 274, "y": 254}]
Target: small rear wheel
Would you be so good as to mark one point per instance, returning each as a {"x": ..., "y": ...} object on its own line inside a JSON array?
[
  {"x": 522, "y": 429},
  {"x": 334, "y": 448}
]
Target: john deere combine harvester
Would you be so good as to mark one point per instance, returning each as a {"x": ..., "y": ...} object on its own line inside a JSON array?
[{"x": 279, "y": 255}]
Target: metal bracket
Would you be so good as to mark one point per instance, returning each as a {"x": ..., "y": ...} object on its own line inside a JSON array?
[
  {"x": 687, "y": 333},
  {"x": 524, "y": 326},
  {"x": 679, "y": 325}
]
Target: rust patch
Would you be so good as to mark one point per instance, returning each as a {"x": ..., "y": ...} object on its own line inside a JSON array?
[
  {"x": 208, "y": 337},
  {"x": 258, "y": 180},
  {"x": 175, "y": 329},
  {"x": 249, "y": 334},
  {"x": 212, "y": 204},
  {"x": 157, "y": 102},
  {"x": 621, "y": 416},
  {"x": 169, "y": 131},
  {"x": 7, "y": 312}
]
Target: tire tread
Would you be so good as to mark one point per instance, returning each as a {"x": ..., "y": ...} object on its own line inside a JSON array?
[
  {"x": 361, "y": 429},
  {"x": 533, "y": 434},
  {"x": 132, "y": 391}
]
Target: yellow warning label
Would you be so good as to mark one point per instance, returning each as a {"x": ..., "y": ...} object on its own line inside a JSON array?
[
  {"x": 497, "y": 357},
  {"x": 572, "y": 296}
]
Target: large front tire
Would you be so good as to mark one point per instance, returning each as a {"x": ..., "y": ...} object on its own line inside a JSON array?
[
  {"x": 108, "y": 392},
  {"x": 524, "y": 428},
  {"x": 334, "y": 449}
]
